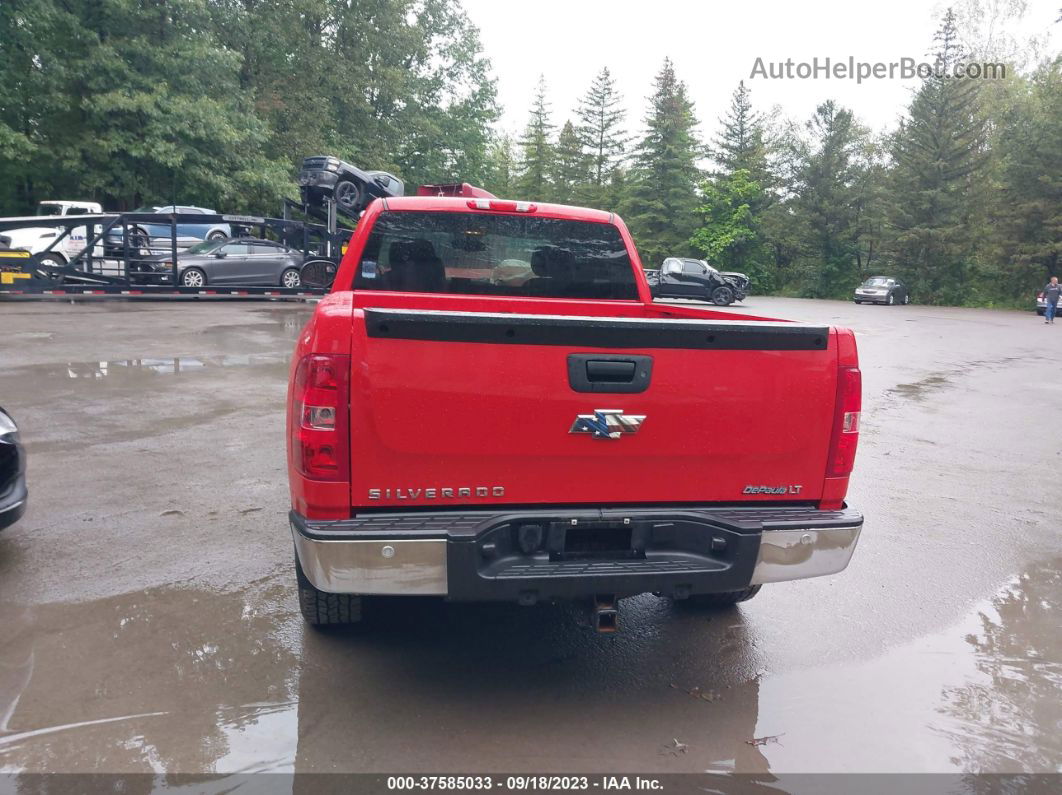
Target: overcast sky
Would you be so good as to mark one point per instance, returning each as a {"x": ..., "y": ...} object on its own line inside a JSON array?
[{"x": 713, "y": 45}]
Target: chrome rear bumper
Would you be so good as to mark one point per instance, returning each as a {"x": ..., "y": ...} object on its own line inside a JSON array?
[
  {"x": 412, "y": 567},
  {"x": 455, "y": 554},
  {"x": 799, "y": 554}
]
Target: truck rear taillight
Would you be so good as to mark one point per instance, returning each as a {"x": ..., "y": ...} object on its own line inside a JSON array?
[
  {"x": 320, "y": 442},
  {"x": 845, "y": 436}
]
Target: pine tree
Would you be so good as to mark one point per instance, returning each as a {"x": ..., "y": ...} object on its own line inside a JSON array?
[
  {"x": 737, "y": 195},
  {"x": 741, "y": 144},
  {"x": 502, "y": 167},
  {"x": 825, "y": 203},
  {"x": 536, "y": 149},
  {"x": 661, "y": 205},
  {"x": 600, "y": 129},
  {"x": 1028, "y": 208},
  {"x": 570, "y": 168},
  {"x": 938, "y": 154}
]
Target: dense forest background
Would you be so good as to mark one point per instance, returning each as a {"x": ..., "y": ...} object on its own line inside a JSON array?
[{"x": 214, "y": 102}]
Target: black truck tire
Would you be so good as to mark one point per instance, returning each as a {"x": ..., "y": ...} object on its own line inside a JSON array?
[
  {"x": 321, "y": 609},
  {"x": 347, "y": 196},
  {"x": 725, "y": 599},
  {"x": 722, "y": 296}
]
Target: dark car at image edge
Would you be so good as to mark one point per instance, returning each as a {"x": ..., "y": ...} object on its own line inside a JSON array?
[{"x": 13, "y": 491}]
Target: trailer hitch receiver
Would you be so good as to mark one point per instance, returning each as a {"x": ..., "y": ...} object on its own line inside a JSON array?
[{"x": 604, "y": 614}]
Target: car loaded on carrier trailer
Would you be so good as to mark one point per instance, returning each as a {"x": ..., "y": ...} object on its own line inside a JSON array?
[{"x": 489, "y": 406}]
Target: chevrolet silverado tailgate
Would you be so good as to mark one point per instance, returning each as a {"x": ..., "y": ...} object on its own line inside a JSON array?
[{"x": 476, "y": 408}]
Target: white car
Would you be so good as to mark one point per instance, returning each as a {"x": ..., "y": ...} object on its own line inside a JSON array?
[{"x": 35, "y": 237}]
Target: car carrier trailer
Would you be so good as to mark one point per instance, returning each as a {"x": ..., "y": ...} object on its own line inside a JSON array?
[{"x": 111, "y": 259}]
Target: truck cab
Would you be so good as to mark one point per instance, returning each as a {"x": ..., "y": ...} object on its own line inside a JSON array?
[
  {"x": 37, "y": 238},
  {"x": 489, "y": 406}
]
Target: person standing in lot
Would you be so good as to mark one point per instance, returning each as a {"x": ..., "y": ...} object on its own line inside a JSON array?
[{"x": 1051, "y": 295}]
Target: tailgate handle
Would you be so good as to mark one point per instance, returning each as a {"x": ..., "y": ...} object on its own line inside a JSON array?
[
  {"x": 602, "y": 372},
  {"x": 613, "y": 372}
]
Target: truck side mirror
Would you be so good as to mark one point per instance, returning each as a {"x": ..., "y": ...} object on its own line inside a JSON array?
[{"x": 318, "y": 273}]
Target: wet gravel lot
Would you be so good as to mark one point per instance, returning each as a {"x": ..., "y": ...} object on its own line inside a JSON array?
[{"x": 148, "y": 620}]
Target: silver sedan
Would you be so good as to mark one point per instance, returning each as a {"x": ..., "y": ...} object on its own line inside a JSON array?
[{"x": 240, "y": 261}]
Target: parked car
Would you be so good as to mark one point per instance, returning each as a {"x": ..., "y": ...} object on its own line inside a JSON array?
[
  {"x": 145, "y": 237},
  {"x": 679, "y": 277},
  {"x": 457, "y": 435},
  {"x": 244, "y": 260},
  {"x": 12, "y": 472},
  {"x": 1041, "y": 304},
  {"x": 36, "y": 237},
  {"x": 322, "y": 176},
  {"x": 882, "y": 290}
]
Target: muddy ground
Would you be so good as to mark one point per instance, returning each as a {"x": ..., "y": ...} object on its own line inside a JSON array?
[{"x": 148, "y": 620}]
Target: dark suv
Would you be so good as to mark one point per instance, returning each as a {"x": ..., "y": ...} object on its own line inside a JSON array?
[{"x": 322, "y": 177}]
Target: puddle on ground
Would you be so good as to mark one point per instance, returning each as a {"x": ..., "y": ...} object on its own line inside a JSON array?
[
  {"x": 920, "y": 389},
  {"x": 286, "y": 323},
  {"x": 137, "y": 371},
  {"x": 185, "y": 681},
  {"x": 163, "y": 681},
  {"x": 982, "y": 696}
]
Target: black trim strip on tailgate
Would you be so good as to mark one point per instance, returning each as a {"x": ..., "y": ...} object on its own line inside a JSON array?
[
  {"x": 464, "y": 523},
  {"x": 596, "y": 332}
]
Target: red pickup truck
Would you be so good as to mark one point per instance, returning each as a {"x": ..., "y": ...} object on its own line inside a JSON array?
[{"x": 488, "y": 405}]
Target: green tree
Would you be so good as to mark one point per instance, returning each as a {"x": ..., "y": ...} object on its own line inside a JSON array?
[
  {"x": 502, "y": 166},
  {"x": 601, "y": 132},
  {"x": 1028, "y": 207},
  {"x": 742, "y": 141},
  {"x": 536, "y": 148},
  {"x": 570, "y": 170},
  {"x": 216, "y": 101},
  {"x": 662, "y": 201},
  {"x": 737, "y": 195},
  {"x": 409, "y": 88},
  {"x": 870, "y": 205},
  {"x": 141, "y": 103},
  {"x": 939, "y": 156},
  {"x": 825, "y": 201},
  {"x": 729, "y": 236}
]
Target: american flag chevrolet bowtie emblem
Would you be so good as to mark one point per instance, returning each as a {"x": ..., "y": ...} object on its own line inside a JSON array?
[{"x": 607, "y": 423}]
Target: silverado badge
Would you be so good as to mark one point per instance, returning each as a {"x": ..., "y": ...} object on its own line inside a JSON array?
[{"x": 607, "y": 423}]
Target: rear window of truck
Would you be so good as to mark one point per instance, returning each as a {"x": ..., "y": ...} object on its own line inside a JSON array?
[{"x": 507, "y": 255}]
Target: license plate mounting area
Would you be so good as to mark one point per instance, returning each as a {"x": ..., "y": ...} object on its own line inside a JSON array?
[{"x": 580, "y": 539}]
